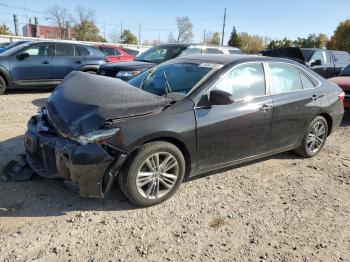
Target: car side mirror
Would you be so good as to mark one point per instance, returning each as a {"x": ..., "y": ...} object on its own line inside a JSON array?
[
  {"x": 23, "y": 56},
  {"x": 219, "y": 97},
  {"x": 318, "y": 62}
]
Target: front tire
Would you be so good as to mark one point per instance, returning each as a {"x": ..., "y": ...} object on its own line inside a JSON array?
[
  {"x": 2, "y": 85},
  {"x": 154, "y": 174},
  {"x": 314, "y": 138}
]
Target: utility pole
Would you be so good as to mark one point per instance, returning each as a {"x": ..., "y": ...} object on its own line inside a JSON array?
[
  {"x": 121, "y": 29},
  {"x": 104, "y": 30},
  {"x": 15, "y": 21},
  {"x": 204, "y": 42},
  {"x": 223, "y": 29},
  {"x": 140, "y": 34},
  {"x": 159, "y": 38}
]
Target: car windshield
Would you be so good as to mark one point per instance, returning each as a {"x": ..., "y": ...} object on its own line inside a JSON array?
[
  {"x": 14, "y": 49},
  {"x": 345, "y": 71},
  {"x": 14, "y": 44},
  {"x": 160, "y": 54},
  {"x": 177, "y": 78}
]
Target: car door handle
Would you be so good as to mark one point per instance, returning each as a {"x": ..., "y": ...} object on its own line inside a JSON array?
[
  {"x": 78, "y": 62},
  {"x": 265, "y": 107},
  {"x": 46, "y": 62},
  {"x": 315, "y": 97}
]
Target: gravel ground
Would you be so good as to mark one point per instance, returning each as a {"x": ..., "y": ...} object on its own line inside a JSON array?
[{"x": 283, "y": 208}]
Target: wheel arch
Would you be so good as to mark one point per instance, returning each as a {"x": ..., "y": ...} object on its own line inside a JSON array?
[
  {"x": 175, "y": 141},
  {"x": 6, "y": 76},
  {"x": 85, "y": 68},
  {"x": 329, "y": 122}
]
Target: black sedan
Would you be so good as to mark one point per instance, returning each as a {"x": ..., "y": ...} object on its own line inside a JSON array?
[{"x": 182, "y": 118}]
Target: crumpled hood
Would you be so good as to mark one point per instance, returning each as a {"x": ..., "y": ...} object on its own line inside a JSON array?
[
  {"x": 293, "y": 53},
  {"x": 83, "y": 102}
]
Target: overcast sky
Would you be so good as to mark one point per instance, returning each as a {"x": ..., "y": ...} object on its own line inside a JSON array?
[{"x": 275, "y": 19}]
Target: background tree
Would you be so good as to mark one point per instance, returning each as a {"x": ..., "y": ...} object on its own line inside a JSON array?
[
  {"x": 171, "y": 38},
  {"x": 59, "y": 16},
  {"x": 285, "y": 42},
  {"x": 4, "y": 30},
  {"x": 215, "y": 39},
  {"x": 185, "y": 27},
  {"x": 312, "y": 41},
  {"x": 234, "y": 40},
  {"x": 251, "y": 44},
  {"x": 128, "y": 38},
  {"x": 85, "y": 28},
  {"x": 341, "y": 37}
]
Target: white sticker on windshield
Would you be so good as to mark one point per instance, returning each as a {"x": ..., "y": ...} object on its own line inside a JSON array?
[{"x": 210, "y": 65}]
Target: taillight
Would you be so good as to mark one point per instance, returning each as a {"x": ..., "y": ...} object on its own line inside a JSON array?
[{"x": 341, "y": 96}]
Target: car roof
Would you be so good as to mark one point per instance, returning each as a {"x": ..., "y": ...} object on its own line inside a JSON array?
[
  {"x": 228, "y": 59},
  {"x": 196, "y": 44}
]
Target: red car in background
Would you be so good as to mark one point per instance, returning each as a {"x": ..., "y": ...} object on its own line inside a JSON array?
[
  {"x": 343, "y": 80},
  {"x": 115, "y": 53}
]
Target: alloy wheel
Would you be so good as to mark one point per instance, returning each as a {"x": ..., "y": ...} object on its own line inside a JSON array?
[
  {"x": 316, "y": 136},
  {"x": 157, "y": 175}
]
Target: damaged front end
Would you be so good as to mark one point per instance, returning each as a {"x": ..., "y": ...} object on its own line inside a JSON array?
[
  {"x": 91, "y": 163},
  {"x": 71, "y": 137}
]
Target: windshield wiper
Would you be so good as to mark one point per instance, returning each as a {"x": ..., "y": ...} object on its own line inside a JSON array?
[{"x": 167, "y": 85}]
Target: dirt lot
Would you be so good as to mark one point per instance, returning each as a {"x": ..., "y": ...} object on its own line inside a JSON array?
[{"x": 284, "y": 208}]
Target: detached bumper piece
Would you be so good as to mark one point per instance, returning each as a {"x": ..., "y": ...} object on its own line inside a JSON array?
[
  {"x": 53, "y": 156},
  {"x": 17, "y": 171}
]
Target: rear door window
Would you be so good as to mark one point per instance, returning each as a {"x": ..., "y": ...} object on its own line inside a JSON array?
[
  {"x": 82, "y": 51},
  {"x": 191, "y": 51},
  {"x": 284, "y": 78},
  {"x": 212, "y": 51},
  {"x": 307, "y": 84},
  {"x": 341, "y": 56},
  {"x": 64, "y": 50},
  {"x": 109, "y": 51}
]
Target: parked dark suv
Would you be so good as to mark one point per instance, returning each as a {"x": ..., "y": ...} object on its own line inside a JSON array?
[
  {"x": 327, "y": 63},
  {"x": 45, "y": 64},
  {"x": 159, "y": 54}
]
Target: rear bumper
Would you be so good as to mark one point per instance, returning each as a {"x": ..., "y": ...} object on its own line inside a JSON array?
[{"x": 52, "y": 156}]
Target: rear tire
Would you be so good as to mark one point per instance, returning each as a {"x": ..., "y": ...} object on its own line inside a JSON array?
[
  {"x": 153, "y": 175},
  {"x": 314, "y": 138},
  {"x": 2, "y": 85}
]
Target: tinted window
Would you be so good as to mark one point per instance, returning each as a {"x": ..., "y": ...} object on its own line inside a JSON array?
[
  {"x": 160, "y": 53},
  {"x": 244, "y": 81},
  {"x": 319, "y": 55},
  {"x": 212, "y": 51},
  {"x": 233, "y": 51},
  {"x": 346, "y": 71},
  {"x": 109, "y": 51},
  {"x": 37, "y": 50},
  {"x": 191, "y": 51},
  {"x": 131, "y": 52},
  {"x": 341, "y": 56},
  {"x": 181, "y": 78},
  {"x": 307, "y": 84},
  {"x": 64, "y": 50},
  {"x": 284, "y": 78},
  {"x": 82, "y": 51}
]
